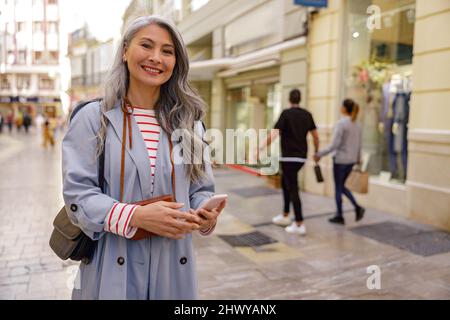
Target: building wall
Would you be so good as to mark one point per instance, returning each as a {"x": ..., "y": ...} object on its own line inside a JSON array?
[
  {"x": 428, "y": 185},
  {"x": 324, "y": 79},
  {"x": 223, "y": 20},
  {"x": 425, "y": 197},
  {"x": 90, "y": 62},
  {"x": 18, "y": 53}
]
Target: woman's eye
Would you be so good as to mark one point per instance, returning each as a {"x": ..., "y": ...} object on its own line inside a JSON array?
[
  {"x": 147, "y": 46},
  {"x": 168, "y": 52}
]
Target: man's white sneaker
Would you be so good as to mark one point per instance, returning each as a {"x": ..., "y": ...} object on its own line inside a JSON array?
[
  {"x": 294, "y": 228},
  {"x": 281, "y": 220}
]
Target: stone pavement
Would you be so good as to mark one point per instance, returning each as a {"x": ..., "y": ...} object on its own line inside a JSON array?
[
  {"x": 329, "y": 263},
  {"x": 30, "y": 196}
]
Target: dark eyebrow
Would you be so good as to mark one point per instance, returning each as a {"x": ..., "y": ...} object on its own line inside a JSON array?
[{"x": 164, "y": 45}]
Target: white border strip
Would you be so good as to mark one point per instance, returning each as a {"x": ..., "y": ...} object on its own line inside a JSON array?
[
  {"x": 376, "y": 181},
  {"x": 427, "y": 186},
  {"x": 429, "y": 131}
]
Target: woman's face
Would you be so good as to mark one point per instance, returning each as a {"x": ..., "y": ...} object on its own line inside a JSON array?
[{"x": 150, "y": 56}]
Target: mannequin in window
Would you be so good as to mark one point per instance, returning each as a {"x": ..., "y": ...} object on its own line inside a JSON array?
[
  {"x": 400, "y": 125},
  {"x": 389, "y": 96}
]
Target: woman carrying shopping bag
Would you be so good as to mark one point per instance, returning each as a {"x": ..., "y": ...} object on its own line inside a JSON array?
[{"x": 346, "y": 146}]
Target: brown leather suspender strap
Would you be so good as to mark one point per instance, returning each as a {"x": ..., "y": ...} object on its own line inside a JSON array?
[
  {"x": 126, "y": 106},
  {"x": 122, "y": 161},
  {"x": 173, "y": 171}
]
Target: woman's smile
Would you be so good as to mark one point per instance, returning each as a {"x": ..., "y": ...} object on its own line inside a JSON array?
[{"x": 152, "y": 71}]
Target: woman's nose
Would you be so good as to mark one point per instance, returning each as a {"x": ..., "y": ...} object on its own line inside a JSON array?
[{"x": 155, "y": 58}]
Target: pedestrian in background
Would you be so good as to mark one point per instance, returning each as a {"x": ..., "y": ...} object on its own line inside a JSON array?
[
  {"x": 346, "y": 146},
  {"x": 293, "y": 126},
  {"x": 147, "y": 97},
  {"x": 26, "y": 121},
  {"x": 19, "y": 121},
  {"x": 10, "y": 121},
  {"x": 2, "y": 121},
  {"x": 47, "y": 134}
]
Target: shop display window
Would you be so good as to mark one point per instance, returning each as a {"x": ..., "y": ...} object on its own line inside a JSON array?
[{"x": 379, "y": 78}]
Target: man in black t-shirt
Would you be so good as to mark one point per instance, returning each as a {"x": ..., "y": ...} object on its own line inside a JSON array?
[{"x": 293, "y": 126}]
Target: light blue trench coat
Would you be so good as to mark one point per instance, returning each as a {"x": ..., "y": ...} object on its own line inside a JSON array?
[{"x": 154, "y": 268}]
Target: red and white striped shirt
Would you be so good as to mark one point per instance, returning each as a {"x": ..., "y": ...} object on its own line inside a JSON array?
[
  {"x": 118, "y": 219},
  {"x": 150, "y": 129}
]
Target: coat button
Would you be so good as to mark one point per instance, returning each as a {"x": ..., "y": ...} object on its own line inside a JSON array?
[
  {"x": 183, "y": 260},
  {"x": 120, "y": 261},
  {"x": 74, "y": 207}
]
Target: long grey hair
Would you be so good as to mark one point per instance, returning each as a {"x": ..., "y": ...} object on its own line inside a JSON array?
[{"x": 179, "y": 105}]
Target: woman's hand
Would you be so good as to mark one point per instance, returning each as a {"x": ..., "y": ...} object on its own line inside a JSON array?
[
  {"x": 316, "y": 158},
  {"x": 209, "y": 218},
  {"x": 164, "y": 219}
]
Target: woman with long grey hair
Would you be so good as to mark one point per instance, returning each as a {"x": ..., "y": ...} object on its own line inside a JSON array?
[{"x": 143, "y": 212}]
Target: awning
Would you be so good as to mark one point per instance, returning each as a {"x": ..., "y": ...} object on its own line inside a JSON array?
[{"x": 263, "y": 58}]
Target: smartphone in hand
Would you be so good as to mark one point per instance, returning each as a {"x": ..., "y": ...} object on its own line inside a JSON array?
[{"x": 213, "y": 202}]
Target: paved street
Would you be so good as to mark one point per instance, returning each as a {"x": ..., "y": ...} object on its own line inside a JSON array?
[{"x": 329, "y": 263}]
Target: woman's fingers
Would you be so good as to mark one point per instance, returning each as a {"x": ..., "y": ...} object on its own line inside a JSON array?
[
  {"x": 221, "y": 206},
  {"x": 185, "y": 216},
  {"x": 172, "y": 205},
  {"x": 205, "y": 214},
  {"x": 186, "y": 226}
]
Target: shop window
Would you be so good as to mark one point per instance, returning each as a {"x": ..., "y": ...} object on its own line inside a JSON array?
[
  {"x": 22, "y": 57},
  {"x": 52, "y": 27},
  {"x": 37, "y": 58},
  {"x": 54, "y": 56},
  {"x": 37, "y": 27},
  {"x": 5, "y": 82},
  {"x": 21, "y": 26},
  {"x": 379, "y": 70},
  {"x": 46, "y": 83},
  {"x": 11, "y": 57},
  {"x": 274, "y": 104},
  {"x": 238, "y": 106},
  {"x": 23, "y": 82}
]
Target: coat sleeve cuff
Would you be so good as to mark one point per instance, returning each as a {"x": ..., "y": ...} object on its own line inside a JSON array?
[
  {"x": 118, "y": 220},
  {"x": 208, "y": 231}
]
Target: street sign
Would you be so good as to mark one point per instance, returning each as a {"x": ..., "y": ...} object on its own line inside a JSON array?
[{"x": 312, "y": 3}]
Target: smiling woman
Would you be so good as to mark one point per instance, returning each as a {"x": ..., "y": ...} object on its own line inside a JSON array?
[
  {"x": 150, "y": 57},
  {"x": 143, "y": 251}
]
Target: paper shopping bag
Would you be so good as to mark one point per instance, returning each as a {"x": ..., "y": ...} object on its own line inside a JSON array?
[{"x": 358, "y": 181}]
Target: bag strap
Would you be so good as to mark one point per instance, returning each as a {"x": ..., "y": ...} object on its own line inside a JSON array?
[
  {"x": 173, "y": 171},
  {"x": 101, "y": 160},
  {"x": 126, "y": 107},
  {"x": 80, "y": 105},
  {"x": 101, "y": 169}
]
